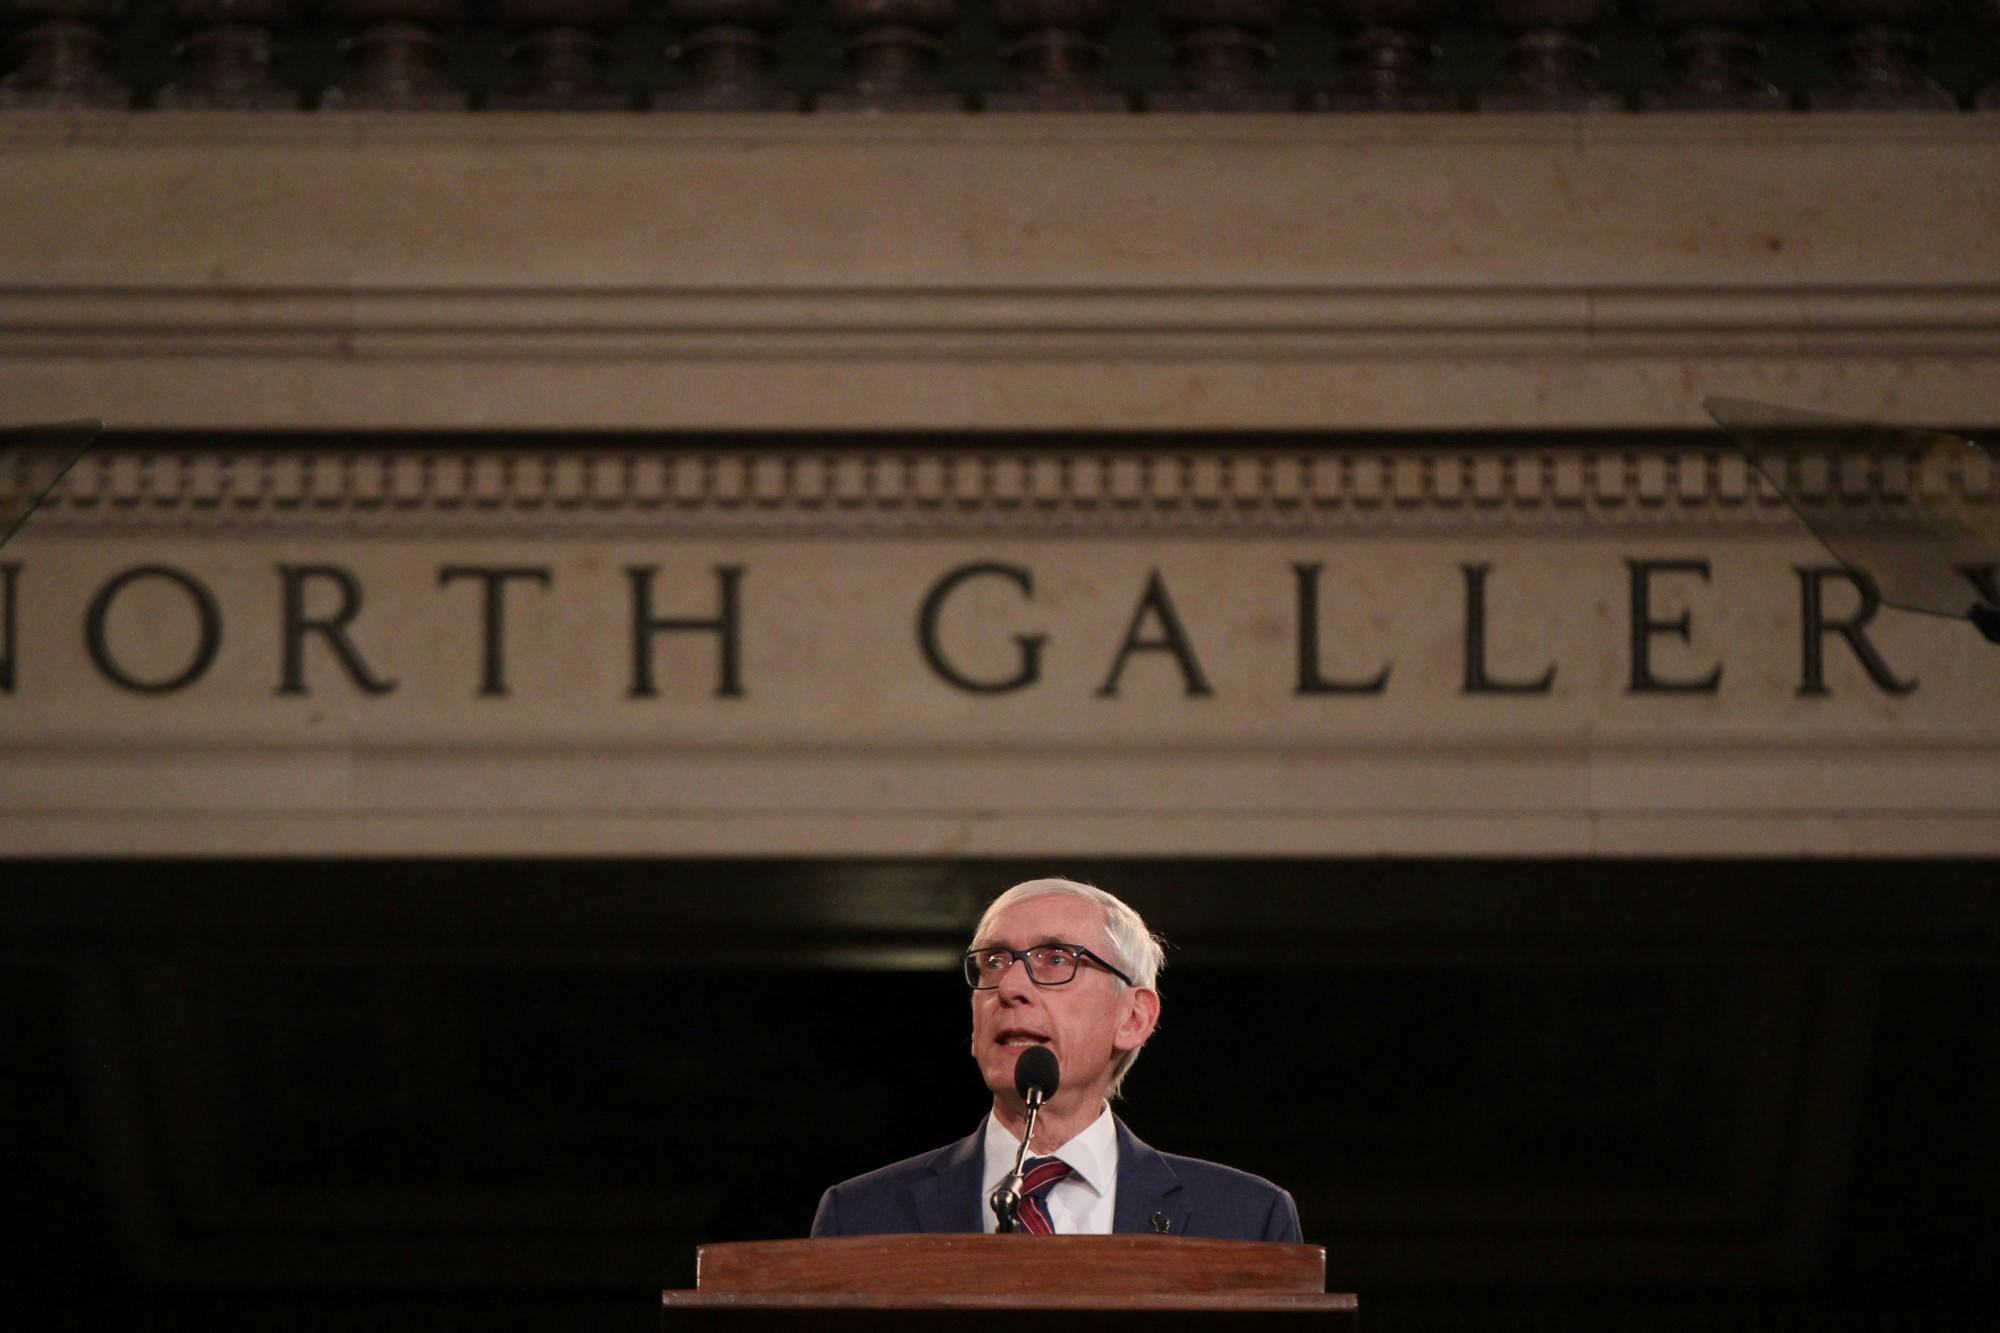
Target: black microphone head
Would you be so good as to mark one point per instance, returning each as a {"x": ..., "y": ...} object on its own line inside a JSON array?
[{"x": 1037, "y": 1068}]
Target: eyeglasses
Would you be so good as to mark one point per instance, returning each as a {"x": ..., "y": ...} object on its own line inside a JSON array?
[{"x": 1048, "y": 965}]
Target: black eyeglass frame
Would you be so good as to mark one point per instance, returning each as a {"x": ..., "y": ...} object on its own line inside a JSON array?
[{"x": 1021, "y": 956}]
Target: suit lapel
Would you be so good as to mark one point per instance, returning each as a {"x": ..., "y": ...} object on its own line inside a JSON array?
[
  {"x": 948, "y": 1198},
  {"x": 1146, "y": 1185}
]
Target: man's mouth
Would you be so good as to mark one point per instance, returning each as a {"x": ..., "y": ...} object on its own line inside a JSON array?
[{"x": 1022, "y": 1037}]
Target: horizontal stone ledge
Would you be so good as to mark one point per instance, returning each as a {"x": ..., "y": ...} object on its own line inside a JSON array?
[
  {"x": 1426, "y": 778},
  {"x": 76, "y": 128},
  {"x": 752, "y": 205},
  {"x": 925, "y": 323},
  {"x": 1855, "y": 747},
  {"x": 1555, "y": 392},
  {"x": 1755, "y": 835}
]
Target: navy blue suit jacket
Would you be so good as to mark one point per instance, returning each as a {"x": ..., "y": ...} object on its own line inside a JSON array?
[{"x": 944, "y": 1191}]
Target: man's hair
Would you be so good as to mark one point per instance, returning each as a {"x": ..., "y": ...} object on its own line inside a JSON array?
[{"x": 1137, "y": 951}]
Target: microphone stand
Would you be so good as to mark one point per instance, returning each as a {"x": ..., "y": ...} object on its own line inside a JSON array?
[{"x": 1006, "y": 1197}]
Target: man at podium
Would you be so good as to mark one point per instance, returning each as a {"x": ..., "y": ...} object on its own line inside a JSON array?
[{"x": 1070, "y": 968}]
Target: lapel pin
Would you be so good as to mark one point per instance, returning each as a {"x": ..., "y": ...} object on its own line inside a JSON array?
[{"x": 1161, "y": 1224}]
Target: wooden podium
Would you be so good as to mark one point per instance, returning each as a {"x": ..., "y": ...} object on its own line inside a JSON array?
[{"x": 980, "y": 1282}]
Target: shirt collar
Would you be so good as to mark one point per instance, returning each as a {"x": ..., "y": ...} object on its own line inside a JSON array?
[{"x": 1092, "y": 1155}]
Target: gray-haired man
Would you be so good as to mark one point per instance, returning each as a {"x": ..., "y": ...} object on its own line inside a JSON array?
[{"x": 1068, "y": 966}]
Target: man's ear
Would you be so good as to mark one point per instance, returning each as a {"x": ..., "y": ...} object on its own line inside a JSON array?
[{"x": 1142, "y": 1014}]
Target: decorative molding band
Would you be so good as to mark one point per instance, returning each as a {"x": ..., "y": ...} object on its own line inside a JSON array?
[
  {"x": 1237, "y": 491},
  {"x": 1024, "y": 323}
]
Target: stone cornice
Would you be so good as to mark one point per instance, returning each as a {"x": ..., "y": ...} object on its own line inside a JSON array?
[
  {"x": 928, "y": 324},
  {"x": 1316, "y": 272}
]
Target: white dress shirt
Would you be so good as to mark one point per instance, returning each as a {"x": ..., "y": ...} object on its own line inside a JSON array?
[{"x": 1083, "y": 1202}]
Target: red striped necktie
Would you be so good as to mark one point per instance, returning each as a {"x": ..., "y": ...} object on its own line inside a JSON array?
[{"x": 1038, "y": 1176}]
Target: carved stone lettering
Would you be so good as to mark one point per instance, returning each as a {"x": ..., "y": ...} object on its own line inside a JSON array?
[
  {"x": 726, "y": 624},
  {"x": 9, "y": 591},
  {"x": 1478, "y": 680},
  {"x": 493, "y": 580},
  {"x": 1644, "y": 628},
  {"x": 96, "y": 635},
  {"x": 1028, "y": 647},
  {"x": 1311, "y": 679},
  {"x": 332, "y": 627},
  {"x": 1814, "y": 626},
  {"x": 1155, "y": 604}
]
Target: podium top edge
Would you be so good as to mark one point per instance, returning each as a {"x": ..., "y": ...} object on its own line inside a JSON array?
[{"x": 824, "y": 1300}]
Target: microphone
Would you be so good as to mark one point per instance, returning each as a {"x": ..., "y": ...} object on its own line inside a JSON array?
[{"x": 1037, "y": 1075}]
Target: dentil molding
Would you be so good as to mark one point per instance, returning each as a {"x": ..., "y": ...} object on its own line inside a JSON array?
[{"x": 1245, "y": 489}]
